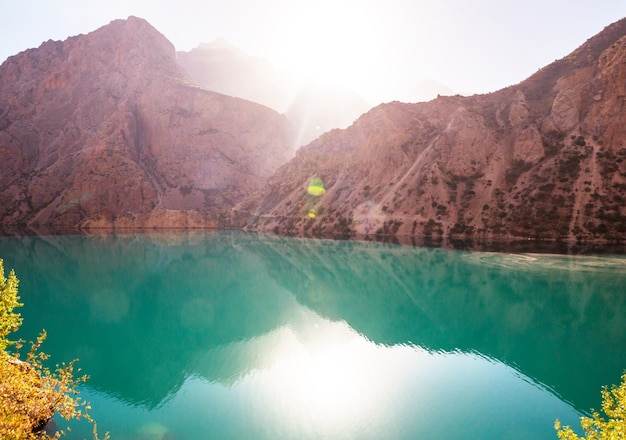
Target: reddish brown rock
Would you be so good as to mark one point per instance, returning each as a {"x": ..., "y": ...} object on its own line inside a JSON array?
[
  {"x": 105, "y": 130},
  {"x": 542, "y": 159}
]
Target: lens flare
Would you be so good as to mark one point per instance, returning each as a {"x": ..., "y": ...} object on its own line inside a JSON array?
[{"x": 316, "y": 187}]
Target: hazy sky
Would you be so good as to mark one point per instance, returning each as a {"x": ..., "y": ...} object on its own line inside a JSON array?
[{"x": 381, "y": 48}]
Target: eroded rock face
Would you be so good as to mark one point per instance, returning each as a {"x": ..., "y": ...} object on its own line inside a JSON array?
[
  {"x": 543, "y": 159},
  {"x": 105, "y": 130}
]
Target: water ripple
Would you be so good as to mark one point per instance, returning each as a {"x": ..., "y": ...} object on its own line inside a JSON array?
[{"x": 542, "y": 263}]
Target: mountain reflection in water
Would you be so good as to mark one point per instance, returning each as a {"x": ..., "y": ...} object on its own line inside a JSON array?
[{"x": 312, "y": 338}]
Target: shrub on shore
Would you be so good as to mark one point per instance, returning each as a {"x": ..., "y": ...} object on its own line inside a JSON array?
[{"x": 31, "y": 393}]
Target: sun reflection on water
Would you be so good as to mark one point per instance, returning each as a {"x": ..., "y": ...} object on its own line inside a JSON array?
[
  {"x": 316, "y": 378},
  {"x": 328, "y": 378}
]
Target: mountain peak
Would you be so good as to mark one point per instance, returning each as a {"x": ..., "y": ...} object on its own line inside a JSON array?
[
  {"x": 134, "y": 39},
  {"x": 543, "y": 159},
  {"x": 103, "y": 129},
  {"x": 541, "y": 84},
  {"x": 121, "y": 45}
]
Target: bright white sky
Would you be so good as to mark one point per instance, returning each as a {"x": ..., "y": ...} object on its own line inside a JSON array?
[{"x": 381, "y": 48}]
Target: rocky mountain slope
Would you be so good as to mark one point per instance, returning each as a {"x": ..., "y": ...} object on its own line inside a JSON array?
[
  {"x": 312, "y": 107},
  {"x": 545, "y": 158},
  {"x": 105, "y": 129}
]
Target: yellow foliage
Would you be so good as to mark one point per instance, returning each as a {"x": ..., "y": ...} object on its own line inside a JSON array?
[
  {"x": 30, "y": 394},
  {"x": 9, "y": 320},
  {"x": 597, "y": 427}
]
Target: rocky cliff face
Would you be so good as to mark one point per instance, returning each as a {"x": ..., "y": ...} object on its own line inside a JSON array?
[
  {"x": 542, "y": 159},
  {"x": 105, "y": 130}
]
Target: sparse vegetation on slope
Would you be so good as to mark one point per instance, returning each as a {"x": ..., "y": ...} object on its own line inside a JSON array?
[{"x": 542, "y": 160}]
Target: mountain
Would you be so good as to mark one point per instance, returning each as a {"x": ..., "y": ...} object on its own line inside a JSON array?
[
  {"x": 105, "y": 129},
  {"x": 543, "y": 159},
  {"x": 312, "y": 107},
  {"x": 221, "y": 67}
]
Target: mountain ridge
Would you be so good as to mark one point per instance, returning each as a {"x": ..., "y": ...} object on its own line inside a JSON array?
[
  {"x": 541, "y": 159},
  {"x": 105, "y": 130}
]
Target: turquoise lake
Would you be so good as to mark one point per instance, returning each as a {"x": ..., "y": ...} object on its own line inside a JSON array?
[{"x": 230, "y": 335}]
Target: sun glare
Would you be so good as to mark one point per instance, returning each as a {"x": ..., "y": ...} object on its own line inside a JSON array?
[
  {"x": 322, "y": 376},
  {"x": 336, "y": 42}
]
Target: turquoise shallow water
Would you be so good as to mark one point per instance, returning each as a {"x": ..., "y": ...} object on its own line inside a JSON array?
[{"x": 236, "y": 336}]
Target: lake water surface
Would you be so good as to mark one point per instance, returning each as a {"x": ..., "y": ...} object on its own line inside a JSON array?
[{"x": 236, "y": 336}]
